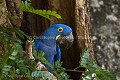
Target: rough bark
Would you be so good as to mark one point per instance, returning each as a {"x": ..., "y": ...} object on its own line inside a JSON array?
[
  {"x": 10, "y": 14},
  {"x": 13, "y": 13},
  {"x": 75, "y": 14},
  {"x": 82, "y": 22},
  {"x": 106, "y": 34},
  {"x": 2, "y": 14}
]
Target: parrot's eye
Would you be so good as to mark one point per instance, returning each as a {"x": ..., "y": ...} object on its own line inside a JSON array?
[{"x": 60, "y": 29}]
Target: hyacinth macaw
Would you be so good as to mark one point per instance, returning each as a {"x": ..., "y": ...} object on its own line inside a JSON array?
[{"x": 49, "y": 41}]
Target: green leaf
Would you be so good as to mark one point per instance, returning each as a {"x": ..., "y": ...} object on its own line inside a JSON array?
[
  {"x": 12, "y": 57},
  {"x": 53, "y": 12},
  {"x": 39, "y": 11},
  {"x": 49, "y": 12},
  {"x": 36, "y": 73},
  {"x": 44, "y": 13},
  {"x": 6, "y": 68},
  {"x": 84, "y": 59},
  {"x": 58, "y": 16},
  {"x": 14, "y": 53}
]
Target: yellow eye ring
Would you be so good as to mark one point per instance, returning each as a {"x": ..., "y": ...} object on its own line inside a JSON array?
[{"x": 60, "y": 29}]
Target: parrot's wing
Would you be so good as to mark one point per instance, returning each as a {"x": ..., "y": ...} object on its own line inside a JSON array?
[
  {"x": 36, "y": 45},
  {"x": 48, "y": 51},
  {"x": 57, "y": 57}
]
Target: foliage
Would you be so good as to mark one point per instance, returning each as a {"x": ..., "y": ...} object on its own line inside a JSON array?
[
  {"x": 11, "y": 49},
  {"x": 93, "y": 71},
  {"x": 56, "y": 69},
  {"x": 14, "y": 65},
  {"x": 26, "y": 6}
]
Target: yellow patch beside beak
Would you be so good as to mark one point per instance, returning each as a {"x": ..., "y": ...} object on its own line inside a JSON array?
[{"x": 57, "y": 37}]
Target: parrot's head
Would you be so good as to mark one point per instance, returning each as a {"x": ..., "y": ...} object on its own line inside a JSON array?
[
  {"x": 60, "y": 33},
  {"x": 63, "y": 34}
]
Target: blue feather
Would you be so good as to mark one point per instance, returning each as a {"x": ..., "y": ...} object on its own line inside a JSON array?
[
  {"x": 57, "y": 57},
  {"x": 46, "y": 42}
]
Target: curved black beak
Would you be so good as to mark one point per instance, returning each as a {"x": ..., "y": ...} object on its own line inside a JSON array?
[{"x": 67, "y": 40}]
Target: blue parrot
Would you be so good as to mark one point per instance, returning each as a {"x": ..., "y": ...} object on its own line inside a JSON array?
[{"x": 49, "y": 41}]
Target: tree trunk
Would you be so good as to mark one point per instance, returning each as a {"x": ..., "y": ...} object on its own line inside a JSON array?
[
  {"x": 10, "y": 15},
  {"x": 75, "y": 13},
  {"x": 105, "y": 20},
  {"x": 13, "y": 13}
]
